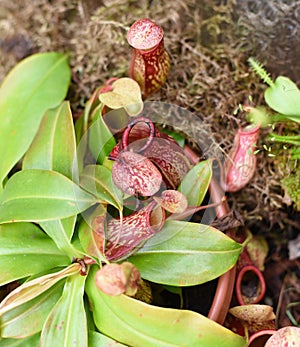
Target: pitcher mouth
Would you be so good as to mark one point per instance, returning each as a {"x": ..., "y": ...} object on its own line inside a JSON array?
[
  {"x": 249, "y": 129},
  {"x": 126, "y": 134}
]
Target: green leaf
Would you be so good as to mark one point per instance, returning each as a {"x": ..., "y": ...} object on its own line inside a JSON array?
[
  {"x": 136, "y": 323},
  {"x": 32, "y": 341},
  {"x": 91, "y": 239},
  {"x": 81, "y": 126},
  {"x": 25, "y": 250},
  {"x": 66, "y": 324},
  {"x": 97, "y": 180},
  {"x": 196, "y": 182},
  {"x": 292, "y": 139},
  {"x": 180, "y": 139},
  {"x": 41, "y": 195},
  {"x": 54, "y": 148},
  {"x": 61, "y": 232},
  {"x": 172, "y": 289},
  {"x": 284, "y": 97},
  {"x": 28, "y": 318},
  {"x": 31, "y": 289},
  {"x": 97, "y": 339},
  {"x": 185, "y": 254},
  {"x": 101, "y": 140},
  {"x": 36, "y": 84}
]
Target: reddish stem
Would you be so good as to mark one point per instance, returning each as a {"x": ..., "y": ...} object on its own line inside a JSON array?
[
  {"x": 191, "y": 210},
  {"x": 224, "y": 291}
]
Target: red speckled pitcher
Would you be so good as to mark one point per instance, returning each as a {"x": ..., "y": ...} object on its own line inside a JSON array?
[{"x": 241, "y": 165}]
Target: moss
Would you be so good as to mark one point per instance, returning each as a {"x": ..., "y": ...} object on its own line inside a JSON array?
[{"x": 291, "y": 185}]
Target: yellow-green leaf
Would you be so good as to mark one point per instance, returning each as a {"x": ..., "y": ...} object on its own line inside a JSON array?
[
  {"x": 36, "y": 84},
  {"x": 125, "y": 93},
  {"x": 67, "y": 325},
  {"x": 136, "y": 323},
  {"x": 32, "y": 341},
  {"x": 29, "y": 290},
  {"x": 28, "y": 318},
  {"x": 97, "y": 339}
]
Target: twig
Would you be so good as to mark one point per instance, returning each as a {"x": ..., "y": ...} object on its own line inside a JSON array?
[
  {"x": 113, "y": 23},
  {"x": 202, "y": 56}
]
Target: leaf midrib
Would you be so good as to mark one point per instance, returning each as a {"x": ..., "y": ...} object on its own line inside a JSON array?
[
  {"x": 186, "y": 252},
  {"x": 27, "y": 252},
  {"x": 44, "y": 197}
]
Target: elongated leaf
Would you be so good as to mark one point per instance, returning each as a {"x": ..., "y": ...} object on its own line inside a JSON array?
[
  {"x": 82, "y": 123},
  {"x": 101, "y": 140},
  {"x": 196, "y": 182},
  {"x": 191, "y": 254},
  {"x": 25, "y": 250},
  {"x": 36, "y": 84},
  {"x": 41, "y": 195},
  {"x": 61, "y": 232},
  {"x": 97, "y": 180},
  {"x": 28, "y": 318},
  {"x": 32, "y": 341},
  {"x": 29, "y": 290},
  {"x": 91, "y": 233},
  {"x": 54, "y": 148},
  {"x": 138, "y": 324},
  {"x": 66, "y": 324},
  {"x": 292, "y": 139},
  {"x": 91, "y": 111},
  {"x": 97, "y": 339}
]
